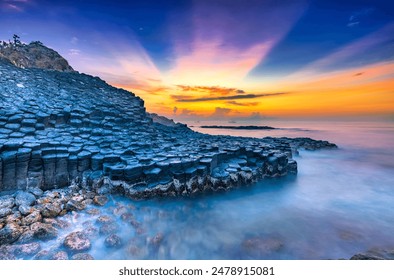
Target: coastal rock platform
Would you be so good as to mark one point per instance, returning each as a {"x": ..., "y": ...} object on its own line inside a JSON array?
[
  {"x": 59, "y": 128},
  {"x": 68, "y": 140}
]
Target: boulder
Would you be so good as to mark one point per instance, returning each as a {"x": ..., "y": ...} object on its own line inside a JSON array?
[
  {"x": 51, "y": 210},
  {"x": 57, "y": 223},
  {"x": 113, "y": 241},
  {"x": 74, "y": 205},
  {"x": 375, "y": 254},
  {"x": 104, "y": 219},
  {"x": 25, "y": 210},
  {"x": 24, "y": 198},
  {"x": 365, "y": 256},
  {"x": 108, "y": 228},
  {"x": 77, "y": 242},
  {"x": 43, "y": 255},
  {"x": 82, "y": 257},
  {"x": 100, "y": 200},
  {"x": 43, "y": 231},
  {"x": 32, "y": 218},
  {"x": 36, "y": 191},
  {"x": 7, "y": 201},
  {"x": 60, "y": 255},
  {"x": 10, "y": 233},
  {"x": 4, "y": 212},
  {"x": 29, "y": 249},
  {"x": 5, "y": 253}
]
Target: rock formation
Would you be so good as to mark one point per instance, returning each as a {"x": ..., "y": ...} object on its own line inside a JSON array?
[
  {"x": 33, "y": 55},
  {"x": 59, "y": 128}
]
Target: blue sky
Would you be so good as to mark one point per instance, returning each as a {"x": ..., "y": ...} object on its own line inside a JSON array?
[{"x": 161, "y": 48}]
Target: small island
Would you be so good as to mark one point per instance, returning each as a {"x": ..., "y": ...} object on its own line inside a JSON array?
[{"x": 243, "y": 127}]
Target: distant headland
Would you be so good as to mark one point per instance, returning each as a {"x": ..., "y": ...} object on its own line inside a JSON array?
[{"x": 243, "y": 127}]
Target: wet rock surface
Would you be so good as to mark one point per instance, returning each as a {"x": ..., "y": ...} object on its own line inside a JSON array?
[
  {"x": 43, "y": 231},
  {"x": 113, "y": 241},
  {"x": 375, "y": 254},
  {"x": 82, "y": 257},
  {"x": 77, "y": 242},
  {"x": 10, "y": 233}
]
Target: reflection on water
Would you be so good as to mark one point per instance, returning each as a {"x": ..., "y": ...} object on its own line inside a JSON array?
[{"x": 339, "y": 204}]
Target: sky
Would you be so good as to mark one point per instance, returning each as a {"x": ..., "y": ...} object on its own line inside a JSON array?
[{"x": 226, "y": 60}]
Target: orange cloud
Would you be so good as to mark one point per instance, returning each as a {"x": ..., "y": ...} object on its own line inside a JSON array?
[
  {"x": 206, "y": 77},
  {"x": 212, "y": 89}
]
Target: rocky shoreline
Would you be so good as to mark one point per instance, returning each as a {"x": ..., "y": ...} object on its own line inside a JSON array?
[
  {"x": 73, "y": 223},
  {"x": 59, "y": 128},
  {"x": 68, "y": 140}
]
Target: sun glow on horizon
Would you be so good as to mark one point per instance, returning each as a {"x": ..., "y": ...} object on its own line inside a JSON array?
[{"x": 215, "y": 61}]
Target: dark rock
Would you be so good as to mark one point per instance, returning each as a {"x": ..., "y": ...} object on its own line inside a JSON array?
[
  {"x": 4, "y": 212},
  {"x": 15, "y": 217},
  {"x": 29, "y": 249},
  {"x": 26, "y": 237},
  {"x": 375, "y": 254},
  {"x": 32, "y": 218},
  {"x": 113, "y": 241},
  {"x": 77, "y": 242},
  {"x": 43, "y": 255},
  {"x": 82, "y": 257},
  {"x": 10, "y": 233},
  {"x": 366, "y": 257},
  {"x": 108, "y": 228},
  {"x": 5, "y": 253},
  {"x": 58, "y": 256},
  {"x": 43, "y": 231},
  {"x": 93, "y": 211},
  {"x": 25, "y": 210},
  {"x": 104, "y": 219},
  {"x": 7, "y": 201},
  {"x": 57, "y": 223},
  {"x": 100, "y": 200},
  {"x": 36, "y": 191},
  {"x": 90, "y": 231},
  {"x": 51, "y": 210},
  {"x": 74, "y": 205},
  {"x": 25, "y": 198}
]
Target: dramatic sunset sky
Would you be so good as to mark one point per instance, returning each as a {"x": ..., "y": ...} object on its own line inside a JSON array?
[{"x": 226, "y": 59}]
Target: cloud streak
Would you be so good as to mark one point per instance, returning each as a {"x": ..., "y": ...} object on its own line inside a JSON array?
[
  {"x": 14, "y": 5},
  {"x": 370, "y": 42},
  {"x": 211, "y": 89},
  {"x": 179, "y": 98},
  {"x": 221, "y": 49},
  {"x": 245, "y": 104}
]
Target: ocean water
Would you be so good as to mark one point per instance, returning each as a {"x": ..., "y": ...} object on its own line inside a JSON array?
[{"x": 340, "y": 203}]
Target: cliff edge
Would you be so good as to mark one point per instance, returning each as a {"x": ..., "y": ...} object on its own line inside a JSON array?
[{"x": 33, "y": 55}]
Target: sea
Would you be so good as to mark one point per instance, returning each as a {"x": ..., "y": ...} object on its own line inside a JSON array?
[{"x": 339, "y": 204}]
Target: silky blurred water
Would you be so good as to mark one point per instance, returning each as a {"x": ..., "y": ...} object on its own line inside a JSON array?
[{"x": 340, "y": 203}]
